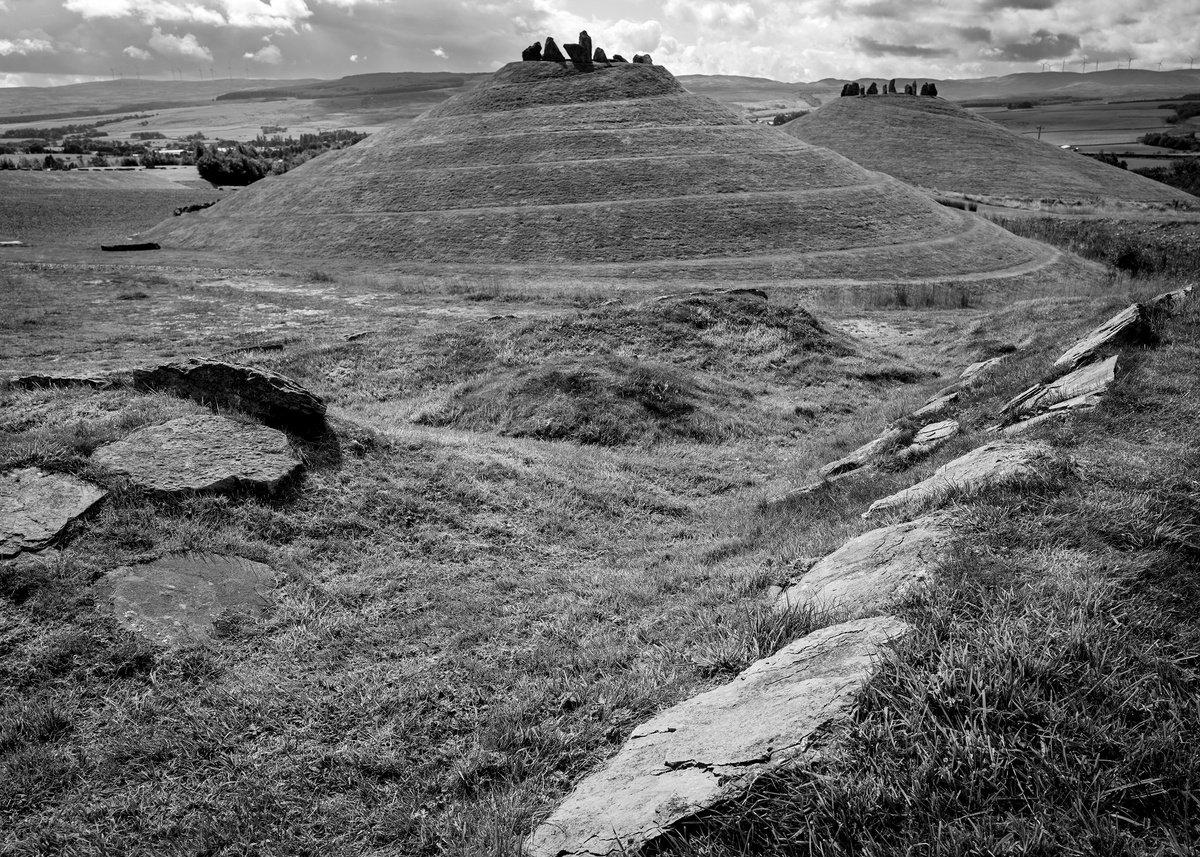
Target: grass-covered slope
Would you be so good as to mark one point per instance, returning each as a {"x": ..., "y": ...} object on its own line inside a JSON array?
[
  {"x": 941, "y": 146},
  {"x": 547, "y": 166}
]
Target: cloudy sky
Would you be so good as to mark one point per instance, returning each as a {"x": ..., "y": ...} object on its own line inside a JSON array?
[{"x": 45, "y": 42}]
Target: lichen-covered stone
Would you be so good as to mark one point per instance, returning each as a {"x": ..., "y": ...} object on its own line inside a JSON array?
[
  {"x": 202, "y": 453},
  {"x": 1080, "y": 385},
  {"x": 713, "y": 746},
  {"x": 35, "y": 507},
  {"x": 1130, "y": 325}
]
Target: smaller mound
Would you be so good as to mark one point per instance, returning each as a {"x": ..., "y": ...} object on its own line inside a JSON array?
[
  {"x": 607, "y": 402},
  {"x": 940, "y": 146}
]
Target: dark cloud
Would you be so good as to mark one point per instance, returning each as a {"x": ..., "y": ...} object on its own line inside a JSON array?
[
  {"x": 974, "y": 34},
  {"x": 872, "y": 48},
  {"x": 1037, "y": 5},
  {"x": 879, "y": 9},
  {"x": 1043, "y": 46}
]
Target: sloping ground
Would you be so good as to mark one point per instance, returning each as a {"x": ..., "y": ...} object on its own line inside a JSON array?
[
  {"x": 939, "y": 145},
  {"x": 546, "y": 166}
]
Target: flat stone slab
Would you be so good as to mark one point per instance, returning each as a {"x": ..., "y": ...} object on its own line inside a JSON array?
[
  {"x": 1129, "y": 325},
  {"x": 202, "y": 453},
  {"x": 993, "y": 463},
  {"x": 1083, "y": 385},
  {"x": 713, "y": 746},
  {"x": 1169, "y": 303},
  {"x": 35, "y": 507},
  {"x": 860, "y": 456},
  {"x": 870, "y": 573},
  {"x": 273, "y": 398},
  {"x": 180, "y": 596},
  {"x": 928, "y": 439},
  {"x": 936, "y": 405},
  {"x": 976, "y": 371}
]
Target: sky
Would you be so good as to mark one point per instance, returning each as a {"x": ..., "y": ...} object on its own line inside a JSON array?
[{"x": 50, "y": 42}]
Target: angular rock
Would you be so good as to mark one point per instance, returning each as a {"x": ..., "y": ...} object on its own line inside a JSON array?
[
  {"x": 600, "y": 56},
  {"x": 1169, "y": 303},
  {"x": 643, "y": 58},
  {"x": 585, "y": 42},
  {"x": 180, "y": 596},
  {"x": 1131, "y": 324},
  {"x": 870, "y": 573},
  {"x": 713, "y": 746},
  {"x": 551, "y": 53},
  {"x": 862, "y": 455},
  {"x": 576, "y": 55},
  {"x": 533, "y": 53},
  {"x": 202, "y": 453},
  {"x": 928, "y": 439},
  {"x": 35, "y": 507},
  {"x": 618, "y": 58},
  {"x": 1087, "y": 381},
  {"x": 995, "y": 463},
  {"x": 976, "y": 371},
  {"x": 936, "y": 405},
  {"x": 273, "y": 398},
  {"x": 38, "y": 381}
]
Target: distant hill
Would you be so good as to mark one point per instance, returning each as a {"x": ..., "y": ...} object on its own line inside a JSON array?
[
  {"x": 383, "y": 83},
  {"x": 941, "y": 146}
]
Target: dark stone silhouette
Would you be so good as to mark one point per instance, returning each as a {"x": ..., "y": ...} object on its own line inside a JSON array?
[
  {"x": 576, "y": 54},
  {"x": 872, "y": 89},
  {"x": 644, "y": 59},
  {"x": 600, "y": 56},
  {"x": 551, "y": 53},
  {"x": 891, "y": 87},
  {"x": 908, "y": 89},
  {"x": 618, "y": 58},
  {"x": 933, "y": 89},
  {"x": 585, "y": 42},
  {"x": 533, "y": 53},
  {"x": 851, "y": 88}
]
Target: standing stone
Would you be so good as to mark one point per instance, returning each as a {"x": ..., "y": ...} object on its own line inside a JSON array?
[
  {"x": 551, "y": 53},
  {"x": 872, "y": 89},
  {"x": 891, "y": 87},
  {"x": 644, "y": 59},
  {"x": 273, "y": 398},
  {"x": 202, "y": 453},
  {"x": 585, "y": 42},
  {"x": 712, "y": 747},
  {"x": 600, "y": 56},
  {"x": 35, "y": 507},
  {"x": 576, "y": 54},
  {"x": 870, "y": 573},
  {"x": 995, "y": 463},
  {"x": 180, "y": 596},
  {"x": 533, "y": 53}
]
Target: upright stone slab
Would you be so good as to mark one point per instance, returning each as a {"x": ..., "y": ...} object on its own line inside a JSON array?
[
  {"x": 994, "y": 463},
  {"x": 35, "y": 507},
  {"x": 273, "y": 398},
  {"x": 713, "y": 746},
  {"x": 870, "y": 573},
  {"x": 180, "y": 596},
  {"x": 1131, "y": 324},
  {"x": 202, "y": 453}
]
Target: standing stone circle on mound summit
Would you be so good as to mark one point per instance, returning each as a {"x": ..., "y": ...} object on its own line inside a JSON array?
[
  {"x": 938, "y": 145},
  {"x": 35, "y": 507},
  {"x": 713, "y": 746},
  {"x": 202, "y": 453},
  {"x": 181, "y": 596},
  {"x": 613, "y": 170}
]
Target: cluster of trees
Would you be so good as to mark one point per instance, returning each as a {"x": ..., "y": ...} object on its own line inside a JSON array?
[
  {"x": 1184, "y": 173},
  {"x": 1107, "y": 158},
  {"x": 233, "y": 163},
  {"x": 1184, "y": 110},
  {"x": 1181, "y": 142}
]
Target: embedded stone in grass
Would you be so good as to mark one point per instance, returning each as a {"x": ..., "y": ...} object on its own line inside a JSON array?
[
  {"x": 40, "y": 381},
  {"x": 1131, "y": 324},
  {"x": 202, "y": 453},
  {"x": 182, "y": 596},
  {"x": 936, "y": 405},
  {"x": 1079, "y": 387},
  {"x": 35, "y": 507},
  {"x": 862, "y": 455},
  {"x": 976, "y": 371},
  {"x": 873, "y": 571},
  {"x": 712, "y": 747},
  {"x": 928, "y": 439},
  {"x": 993, "y": 463},
  {"x": 273, "y": 398},
  {"x": 1169, "y": 302}
]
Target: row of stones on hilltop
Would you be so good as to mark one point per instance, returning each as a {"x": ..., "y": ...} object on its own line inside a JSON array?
[
  {"x": 889, "y": 88},
  {"x": 581, "y": 53}
]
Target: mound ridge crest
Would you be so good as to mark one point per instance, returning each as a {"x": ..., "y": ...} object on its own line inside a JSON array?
[
  {"x": 617, "y": 169},
  {"x": 941, "y": 146}
]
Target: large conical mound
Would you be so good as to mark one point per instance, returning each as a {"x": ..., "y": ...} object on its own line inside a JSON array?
[
  {"x": 941, "y": 146},
  {"x": 614, "y": 171}
]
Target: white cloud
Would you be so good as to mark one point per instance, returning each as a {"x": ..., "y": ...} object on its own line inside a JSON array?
[
  {"x": 274, "y": 15},
  {"x": 137, "y": 53},
  {"x": 25, "y": 46},
  {"x": 269, "y": 54},
  {"x": 186, "y": 46},
  {"x": 439, "y": 53},
  {"x": 353, "y": 57}
]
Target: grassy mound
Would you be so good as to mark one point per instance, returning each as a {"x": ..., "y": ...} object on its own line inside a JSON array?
[
  {"x": 939, "y": 145},
  {"x": 545, "y": 167}
]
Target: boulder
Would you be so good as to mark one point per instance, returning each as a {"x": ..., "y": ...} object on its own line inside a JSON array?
[
  {"x": 936, "y": 405},
  {"x": 273, "y": 398},
  {"x": 600, "y": 56},
  {"x": 995, "y": 463},
  {"x": 36, "y": 506},
  {"x": 1168, "y": 303},
  {"x": 1130, "y": 325},
  {"x": 977, "y": 371},
  {"x": 576, "y": 55},
  {"x": 40, "y": 381},
  {"x": 872, "y": 89},
  {"x": 180, "y": 596},
  {"x": 712, "y": 747},
  {"x": 551, "y": 53},
  {"x": 870, "y": 573},
  {"x": 862, "y": 455},
  {"x": 643, "y": 58},
  {"x": 1081, "y": 385},
  {"x": 533, "y": 53},
  {"x": 928, "y": 439},
  {"x": 202, "y": 453},
  {"x": 618, "y": 58}
]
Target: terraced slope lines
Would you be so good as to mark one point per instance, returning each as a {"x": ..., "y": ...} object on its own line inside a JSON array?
[
  {"x": 605, "y": 173},
  {"x": 938, "y": 145}
]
